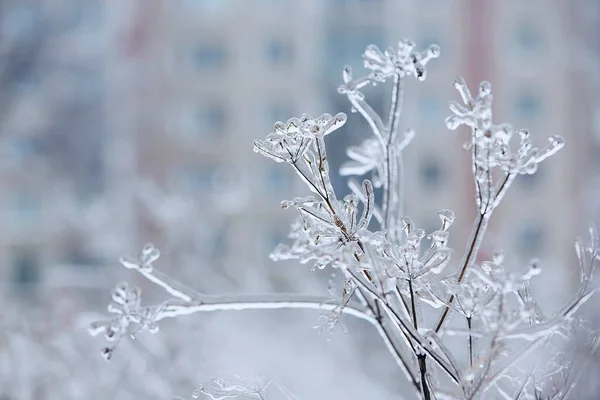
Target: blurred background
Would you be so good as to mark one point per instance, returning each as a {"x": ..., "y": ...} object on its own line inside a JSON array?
[{"x": 129, "y": 121}]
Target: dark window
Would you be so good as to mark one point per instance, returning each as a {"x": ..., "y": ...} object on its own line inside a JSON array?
[
  {"x": 26, "y": 271},
  {"x": 278, "y": 177},
  {"x": 430, "y": 174},
  {"x": 431, "y": 109},
  {"x": 211, "y": 119},
  {"x": 199, "y": 178},
  {"x": 218, "y": 243},
  {"x": 530, "y": 240},
  {"x": 527, "y": 105},
  {"x": 26, "y": 208},
  {"x": 279, "y": 52},
  {"x": 527, "y": 38},
  {"x": 79, "y": 257},
  {"x": 210, "y": 56}
]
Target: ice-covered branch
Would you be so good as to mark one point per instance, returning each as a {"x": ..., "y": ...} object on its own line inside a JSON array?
[
  {"x": 132, "y": 317},
  {"x": 490, "y": 148},
  {"x": 383, "y": 153}
]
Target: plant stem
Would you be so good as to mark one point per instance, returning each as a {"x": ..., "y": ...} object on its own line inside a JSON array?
[
  {"x": 421, "y": 358},
  {"x": 392, "y": 201},
  {"x": 406, "y": 328},
  {"x": 470, "y": 255},
  {"x": 469, "y": 325}
]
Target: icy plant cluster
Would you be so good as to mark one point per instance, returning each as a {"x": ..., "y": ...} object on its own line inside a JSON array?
[
  {"x": 393, "y": 271},
  {"x": 246, "y": 386}
]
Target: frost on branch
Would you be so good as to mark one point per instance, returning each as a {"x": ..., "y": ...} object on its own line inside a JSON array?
[
  {"x": 148, "y": 255},
  {"x": 240, "y": 386},
  {"x": 490, "y": 145},
  {"x": 130, "y": 317},
  {"x": 331, "y": 319},
  {"x": 291, "y": 140},
  {"x": 382, "y": 154},
  {"x": 402, "y": 61},
  {"x": 410, "y": 260},
  {"x": 321, "y": 231}
]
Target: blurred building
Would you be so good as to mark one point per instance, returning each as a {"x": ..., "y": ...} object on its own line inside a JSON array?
[
  {"x": 51, "y": 129},
  {"x": 176, "y": 91}
]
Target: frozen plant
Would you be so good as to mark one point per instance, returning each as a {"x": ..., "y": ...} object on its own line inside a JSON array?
[
  {"x": 391, "y": 277},
  {"x": 235, "y": 386}
]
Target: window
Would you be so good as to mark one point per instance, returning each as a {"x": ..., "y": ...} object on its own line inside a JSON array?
[
  {"x": 26, "y": 270},
  {"x": 26, "y": 208},
  {"x": 431, "y": 109},
  {"x": 530, "y": 240},
  {"x": 217, "y": 243},
  {"x": 430, "y": 173},
  {"x": 527, "y": 38},
  {"x": 527, "y": 105},
  {"x": 277, "y": 177},
  {"x": 208, "y": 56},
  {"x": 81, "y": 258},
  {"x": 211, "y": 119},
  {"x": 199, "y": 178},
  {"x": 279, "y": 52}
]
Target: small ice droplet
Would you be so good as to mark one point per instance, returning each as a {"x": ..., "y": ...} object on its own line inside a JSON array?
[
  {"x": 434, "y": 50},
  {"x": 452, "y": 122},
  {"x": 153, "y": 328},
  {"x": 485, "y": 88},
  {"x": 107, "y": 353},
  {"x": 353, "y": 110}
]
